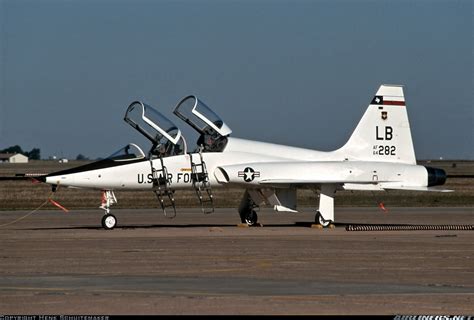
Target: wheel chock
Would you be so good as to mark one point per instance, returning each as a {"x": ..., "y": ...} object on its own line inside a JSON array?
[
  {"x": 318, "y": 226},
  {"x": 244, "y": 225}
]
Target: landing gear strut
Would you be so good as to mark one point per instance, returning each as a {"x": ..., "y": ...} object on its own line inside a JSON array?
[
  {"x": 246, "y": 210},
  {"x": 325, "y": 214},
  {"x": 109, "y": 221}
]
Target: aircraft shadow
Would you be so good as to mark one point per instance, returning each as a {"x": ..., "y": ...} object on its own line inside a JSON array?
[
  {"x": 175, "y": 226},
  {"x": 300, "y": 224}
]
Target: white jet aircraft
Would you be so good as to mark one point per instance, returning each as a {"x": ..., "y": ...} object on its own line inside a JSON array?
[{"x": 378, "y": 156}]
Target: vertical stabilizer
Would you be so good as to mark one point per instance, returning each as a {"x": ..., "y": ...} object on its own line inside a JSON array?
[{"x": 383, "y": 133}]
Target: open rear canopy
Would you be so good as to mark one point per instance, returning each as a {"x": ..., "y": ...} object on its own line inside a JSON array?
[
  {"x": 151, "y": 123},
  {"x": 199, "y": 116}
]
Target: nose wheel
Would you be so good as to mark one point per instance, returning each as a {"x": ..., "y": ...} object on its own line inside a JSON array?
[{"x": 109, "y": 221}]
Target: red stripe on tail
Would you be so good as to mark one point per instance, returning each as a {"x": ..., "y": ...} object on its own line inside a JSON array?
[{"x": 394, "y": 103}]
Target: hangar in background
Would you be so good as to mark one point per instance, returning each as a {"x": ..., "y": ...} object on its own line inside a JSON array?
[{"x": 13, "y": 158}]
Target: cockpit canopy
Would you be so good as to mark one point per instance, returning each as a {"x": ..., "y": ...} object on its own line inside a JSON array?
[
  {"x": 213, "y": 131},
  {"x": 165, "y": 136},
  {"x": 151, "y": 123},
  {"x": 130, "y": 152},
  {"x": 199, "y": 116}
]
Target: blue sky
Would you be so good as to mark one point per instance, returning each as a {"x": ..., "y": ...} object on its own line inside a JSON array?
[{"x": 293, "y": 72}]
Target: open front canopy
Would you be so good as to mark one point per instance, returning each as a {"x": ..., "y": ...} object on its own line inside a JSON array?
[
  {"x": 198, "y": 115},
  {"x": 151, "y": 123}
]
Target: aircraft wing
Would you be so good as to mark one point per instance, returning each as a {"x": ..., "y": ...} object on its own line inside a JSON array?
[
  {"x": 350, "y": 175},
  {"x": 352, "y": 185},
  {"x": 296, "y": 173},
  {"x": 275, "y": 183},
  {"x": 310, "y": 182},
  {"x": 408, "y": 188}
]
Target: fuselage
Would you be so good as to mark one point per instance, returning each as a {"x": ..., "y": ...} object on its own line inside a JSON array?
[{"x": 271, "y": 161}]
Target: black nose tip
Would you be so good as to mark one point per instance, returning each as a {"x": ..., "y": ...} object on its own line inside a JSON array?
[
  {"x": 41, "y": 178},
  {"x": 436, "y": 177}
]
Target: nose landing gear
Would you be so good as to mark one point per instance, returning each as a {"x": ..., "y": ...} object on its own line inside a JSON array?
[{"x": 109, "y": 221}]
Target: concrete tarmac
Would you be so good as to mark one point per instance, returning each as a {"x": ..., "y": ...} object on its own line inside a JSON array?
[{"x": 64, "y": 263}]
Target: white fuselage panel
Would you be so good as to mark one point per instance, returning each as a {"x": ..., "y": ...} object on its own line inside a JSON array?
[{"x": 272, "y": 162}]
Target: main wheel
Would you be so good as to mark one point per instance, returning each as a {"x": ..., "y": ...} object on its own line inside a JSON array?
[
  {"x": 109, "y": 221},
  {"x": 251, "y": 218},
  {"x": 319, "y": 219}
]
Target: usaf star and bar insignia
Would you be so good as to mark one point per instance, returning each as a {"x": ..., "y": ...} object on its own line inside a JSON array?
[{"x": 249, "y": 174}]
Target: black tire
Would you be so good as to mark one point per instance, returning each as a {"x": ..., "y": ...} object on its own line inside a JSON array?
[
  {"x": 109, "y": 221},
  {"x": 251, "y": 218},
  {"x": 321, "y": 221}
]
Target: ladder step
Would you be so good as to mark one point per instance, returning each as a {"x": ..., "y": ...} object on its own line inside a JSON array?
[
  {"x": 160, "y": 182},
  {"x": 199, "y": 176},
  {"x": 161, "y": 188},
  {"x": 200, "y": 180},
  {"x": 197, "y": 164}
]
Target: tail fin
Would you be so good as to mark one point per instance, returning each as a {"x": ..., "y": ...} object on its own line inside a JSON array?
[{"x": 383, "y": 133}]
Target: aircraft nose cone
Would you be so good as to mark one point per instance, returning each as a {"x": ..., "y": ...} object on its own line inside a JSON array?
[{"x": 41, "y": 178}]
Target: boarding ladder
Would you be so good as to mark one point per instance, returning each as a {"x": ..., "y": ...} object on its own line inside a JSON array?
[
  {"x": 201, "y": 184},
  {"x": 161, "y": 188}
]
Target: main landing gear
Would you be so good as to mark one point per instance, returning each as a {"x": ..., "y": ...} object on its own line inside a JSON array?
[
  {"x": 325, "y": 214},
  {"x": 318, "y": 219},
  {"x": 250, "y": 218},
  {"x": 246, "y": 210},
  {"x": 109, "y": 221}
]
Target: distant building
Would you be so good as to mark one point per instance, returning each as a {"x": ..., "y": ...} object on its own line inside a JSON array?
[{"x": 13, "y": 158}]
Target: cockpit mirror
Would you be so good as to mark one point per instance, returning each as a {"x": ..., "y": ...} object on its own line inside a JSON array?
[
  {"x": 199, "y": 116},
  {"x": 151, "y": 123}
]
